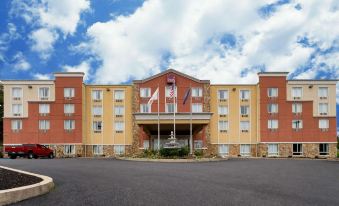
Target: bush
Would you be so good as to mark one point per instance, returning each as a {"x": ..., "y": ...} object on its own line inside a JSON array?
[
  {"x": 1, "y": 155},
  {"x": 150, "y": 153},
  {"x": 174, "y": 152},
  {"x": 198, "y": 152},
  {"x": 338, "y": 154}
]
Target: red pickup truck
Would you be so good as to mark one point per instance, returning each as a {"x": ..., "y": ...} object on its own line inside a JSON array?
[{"x": 28, "y": 150}]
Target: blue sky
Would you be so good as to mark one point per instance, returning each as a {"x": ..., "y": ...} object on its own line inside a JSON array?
[{"x": 115, "y": 41}]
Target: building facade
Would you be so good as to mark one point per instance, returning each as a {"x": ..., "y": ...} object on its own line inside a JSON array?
[{"x": 275, "y": 117}]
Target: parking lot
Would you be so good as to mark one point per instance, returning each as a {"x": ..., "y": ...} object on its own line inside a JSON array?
[{"x": 232, "y": 182}]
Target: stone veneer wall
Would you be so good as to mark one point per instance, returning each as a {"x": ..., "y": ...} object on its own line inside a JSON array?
[
  {"x": 59, "y": 151},
  {"x": 134, "y": 148},
  {"x": 233, "y": 150},
  {"x": 211, "y": 148}
]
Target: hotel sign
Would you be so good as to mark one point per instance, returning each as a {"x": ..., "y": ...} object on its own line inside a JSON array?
[{"x": 171, "y": 78}]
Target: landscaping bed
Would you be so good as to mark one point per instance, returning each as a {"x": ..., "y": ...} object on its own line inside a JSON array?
[{"x": 10, "y": 179}]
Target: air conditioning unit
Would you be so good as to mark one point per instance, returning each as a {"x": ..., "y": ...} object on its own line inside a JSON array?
[
  {"x": 244, "y": 130},
  {"x": 244, "y": 115},
  {"x": 17, "y": 114},
  {"x": 324, "y": 129},
  {"x": 222, "y": 100},
  {"x": 223, "y": 115},
  {"x": 68, "y": 114},
  {"x": 244, "y": 100},
  {"x": 323, "y": 97},
  {"x": 68, "y": 98},
  {"x": 96, "y": 100},
  {"x": 97, "y": 115},
  {"x": 118, "y": 115},
  {"x": 296, "y": 97},
  {"x": 16, "y": 98},
  {"x": 223, "y": 131},
  {"x": 43, "y": 114},
  {"x": 69, "y": 130},
  {"x": 43, "y": 98},
  {"x": 97, "y": 131},
  {"x": 118, "y": 100},
  {"x": 119, "y": 131}
]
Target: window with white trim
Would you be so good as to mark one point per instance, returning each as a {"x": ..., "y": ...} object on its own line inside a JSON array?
[
  {"x": 145, "y": 92},
  {"x": 272, "y": 124},
  {"x": 272, "y": 92},
  {"x": 119, "y": 149},
  {"x": 297, "y": 124},
  {"x": 170, "y": 108},
  {"x": 244, "y": 126},
  {"x": 297, "y": 92},
  {"x": 297, "y": 149},
  {"x": 196, "y": 92},
  {"x": 323, "y": 108},
  {"x": 297, "y": 108},
  {"x": 244, "y": 110},
  {"x": 273, "y": 150},
  {"x": 119, "y": 110},
  {"x": 69, "y": 124},
  {"x": 17, "y": 109},
  {"x": 198, "y": 144},
  {"x": 272, "y": 108},
  {"x": 245, "y": 150},
  {"x": 244, "y": 94},
  {"x": 69, "y": 92},
  {"x": 145, "y": 108},
  {"x": 68, "y": 108},
  {"x": 168, "y": 89},
  {"x": 44, "y": 125},
  {"x": 223, "y": 149},
  {"x": 323, "y": 149},
  {"x": 16, "y": 93},
  {"x": 96, "y": 95},
  {"x": 222, "y": 94},
  {"x": 222, "y": 110},
  {"x": 98, "y": 149},
  {"x": 44, "y": 108},
  {"x": 97, "y": 110},
  {"x": 119, "y": 94},
  {"x": 119, "y": 126},
  {"x": 223, "y": 125},
  {"x": 196, "y": 107},
  {"x": 69, "y": 149},
  {"x": 16, "y": 124},
  {"x": 323, "y": 92},
  {"x": 97, "y": 126},
  {"x": 44, "y": 92},
  {"x": 324, "y": 124}
]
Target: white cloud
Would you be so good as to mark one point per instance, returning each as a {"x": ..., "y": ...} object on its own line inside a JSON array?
[
  {"x": 84, "y": 66},
  {"x": 43, "y": 41},
  {"x": 188, "y": 33},
  {"x": 20, "y": 63},
  {"x": 40, "y": 76}
]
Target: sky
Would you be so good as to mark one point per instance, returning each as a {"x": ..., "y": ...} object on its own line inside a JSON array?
[{"x": 116, "y": 41}]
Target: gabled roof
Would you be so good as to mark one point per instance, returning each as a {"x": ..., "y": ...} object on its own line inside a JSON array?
[{"x": 171, "y": 71}]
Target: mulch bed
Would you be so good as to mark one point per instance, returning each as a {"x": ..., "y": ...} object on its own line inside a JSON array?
[{"x": 10, "y": 179}]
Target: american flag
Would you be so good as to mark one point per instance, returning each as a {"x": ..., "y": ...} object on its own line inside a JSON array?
[{"x": 171, "y": 92}]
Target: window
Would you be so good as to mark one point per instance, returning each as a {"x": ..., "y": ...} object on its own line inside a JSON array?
[
  {"x": 69, "y": 108},
  {"x": 43, "y": 124},
  {"x": 197, "y": 144},
  {"x": 17, "y": 109},
  {"x": 146, "y": 144},
  {"x": 223, "y": 126},
  {"x": 323, "y": 149},
  {"x": 297, "y": 108},
  {"x": 43, "y": 108},
  {"x": 244, "y": 94},
  {"x": 245, "y": 150},
  {"x": 145, "y": 92},
  {"x": 69, "y": 150},
  {"x": 97, "y": 126},
  {"x": 119, "y": 149},
  {"x": 145, "y": 108},
  {"x": 272, "y": 124},
  {"x": 323, "y": 108},
  {"x": 272, "y": 92},
  {"x": 323, "y": 124},
  {"x": 68, "y": 92},
  {"x": 69, "y": 124},
  {"x": 119, "y": 110},
  {"x": 297, "y": 124},
  {"x": 98, "y": 149},
  {"x": 168, "y": 89},
  {"x": 96, "y": 95},
  {"x": 119, "y": 95},
  {"x": 222, "y": 110},
  {"x": 244, "y": 110},
  {"x": 196, "y": 92},
  {"x": 222, "y": 94},
  {"x": 297, "y": 92},
  {"x": 323, "y": 92},
  {"x": 119, "y": 126},
  {"x": 16, "y": 124},
  {"x": 223, "y": 149},
  {"x": 97, "y": 110},
  {"x": 244, "y": 126},
  {"x": 196, "y": 107},
  {"x": 297, "y": 149},
  {"x": 170, "y": 108},
  {"x": 272, "y": 108},
  {"x": 273, "y": 150},
  {"x": 43, "y": 92},
  {"x": 16, "y": 93}
]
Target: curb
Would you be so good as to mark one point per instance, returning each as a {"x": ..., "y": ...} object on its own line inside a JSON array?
[
  {"x": 172, "y": 160},
  {"x": 21, "y": 193}
]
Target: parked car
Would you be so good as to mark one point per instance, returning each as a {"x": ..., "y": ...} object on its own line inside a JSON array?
[{"x": 28, "y": 150}]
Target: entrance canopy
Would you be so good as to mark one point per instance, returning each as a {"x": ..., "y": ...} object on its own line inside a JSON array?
[
  {"x": 165, "y": 129},
  {"x": 167, "y": 118}
]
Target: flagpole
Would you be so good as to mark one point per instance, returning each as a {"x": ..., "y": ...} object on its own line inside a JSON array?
[
  {"x": 174, "y": 106},
  {"x": 191, "y": 138},
  {"x": 158, "y": 119}
]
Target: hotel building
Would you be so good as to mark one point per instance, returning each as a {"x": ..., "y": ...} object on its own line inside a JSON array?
[{"x": 275, "y": 117}]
